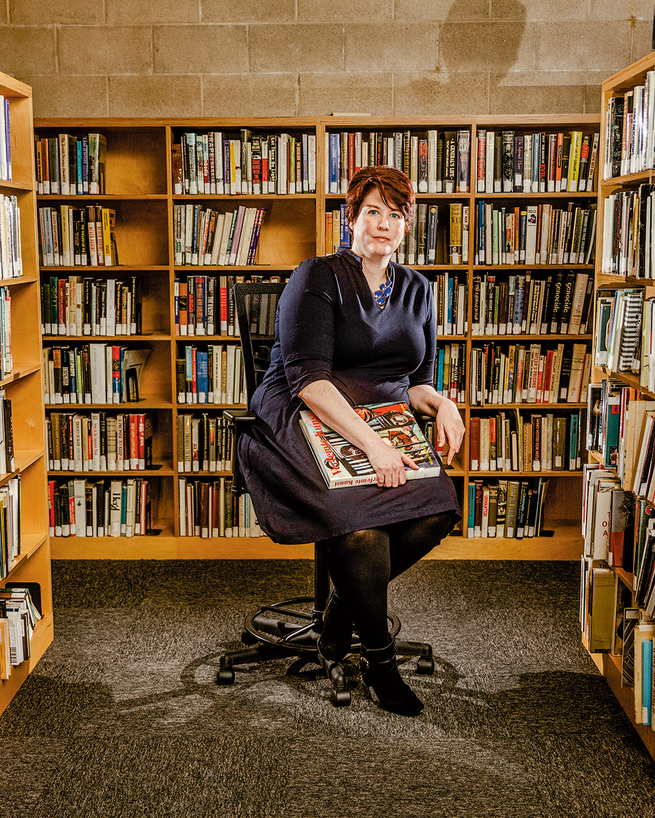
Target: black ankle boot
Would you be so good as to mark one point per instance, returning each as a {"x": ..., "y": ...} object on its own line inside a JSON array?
[
  {"x": 380, "y": 672},
  {"x": 336, "y": 637}
]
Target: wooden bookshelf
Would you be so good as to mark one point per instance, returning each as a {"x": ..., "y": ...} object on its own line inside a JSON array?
[
  {"x": 24, "y": 387},
  {"x": 139, "y": 186},
  {"x": 616, "y": 86}
]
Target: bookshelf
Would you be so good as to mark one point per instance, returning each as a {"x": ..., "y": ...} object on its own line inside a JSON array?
[
  {"x": 23, "y": 386},
  {"x": 141, "y": 165},
  {"x": 621, "y": 269}
]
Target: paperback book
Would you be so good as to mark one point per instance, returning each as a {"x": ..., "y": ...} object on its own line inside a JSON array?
[{"x": 343, "y": 464}]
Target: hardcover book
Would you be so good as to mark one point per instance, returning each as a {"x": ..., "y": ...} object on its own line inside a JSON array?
[{"x": 343, "y": 464}]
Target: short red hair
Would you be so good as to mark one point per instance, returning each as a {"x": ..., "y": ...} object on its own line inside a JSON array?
[{"x": 394, "y": 187}]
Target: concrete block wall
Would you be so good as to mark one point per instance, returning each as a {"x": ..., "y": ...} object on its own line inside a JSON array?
[{"x": 312, "y": 57}]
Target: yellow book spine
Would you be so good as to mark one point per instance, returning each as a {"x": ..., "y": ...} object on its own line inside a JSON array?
[{"x": 574, "y": 163}]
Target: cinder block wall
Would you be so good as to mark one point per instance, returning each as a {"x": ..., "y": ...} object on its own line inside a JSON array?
[{"x": 317, "y": 57}]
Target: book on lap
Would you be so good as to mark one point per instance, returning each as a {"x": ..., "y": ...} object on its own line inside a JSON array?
[{"x": 343, "y": 464}]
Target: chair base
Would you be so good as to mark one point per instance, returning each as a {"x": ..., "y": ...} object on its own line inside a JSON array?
[{"x": 291, "y": 628}]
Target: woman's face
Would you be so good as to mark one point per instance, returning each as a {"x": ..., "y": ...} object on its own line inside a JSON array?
[{"x": 378, "y": 229}]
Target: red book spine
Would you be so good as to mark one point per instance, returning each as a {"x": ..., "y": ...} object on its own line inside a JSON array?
[
  {"x": 134, "y": 443},
  {"x": 51, "y": 506},
  {"x": 141, "y": 431},
  {"x": 474, "y": 442},
  {"x": 223, "y": 304}
]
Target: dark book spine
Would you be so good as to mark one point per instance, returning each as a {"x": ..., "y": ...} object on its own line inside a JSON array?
[{"x": 508, "y": 161}]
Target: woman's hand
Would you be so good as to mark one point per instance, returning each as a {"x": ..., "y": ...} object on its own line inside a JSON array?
[
  {"x": 325, "y": 400},
  {"x": 450, "y": 427},
  {"x": 389, "y": 464},
  {"x": 448, "y": 421}
]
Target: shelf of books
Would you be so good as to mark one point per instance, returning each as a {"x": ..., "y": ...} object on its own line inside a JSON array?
[
  {"x": 617, "y": 607},
  {"x": 505, "y": 230},
  {"x": 26, "y": 621},
  {"x": 144, "y": 226}
]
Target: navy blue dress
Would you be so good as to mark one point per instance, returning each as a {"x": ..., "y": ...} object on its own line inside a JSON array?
[{"x": 329, "y": 327}]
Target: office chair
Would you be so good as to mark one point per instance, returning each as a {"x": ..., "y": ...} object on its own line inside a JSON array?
[{"x": 289, "y": 628}]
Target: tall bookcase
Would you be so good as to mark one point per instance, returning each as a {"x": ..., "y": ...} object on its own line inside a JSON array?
[
  {"x": 621, "y": 180},
  {"x": 24, "y": 387},
  {"x": 139, "y": 186}
]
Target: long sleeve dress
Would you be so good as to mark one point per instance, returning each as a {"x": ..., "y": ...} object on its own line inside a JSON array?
[{"x": 328, "y": 327}]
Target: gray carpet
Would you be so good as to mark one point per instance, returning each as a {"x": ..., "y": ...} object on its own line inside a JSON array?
[{"x": 122, "y": 718}]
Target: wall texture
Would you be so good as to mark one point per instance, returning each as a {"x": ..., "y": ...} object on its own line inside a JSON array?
[{"x": 316, "y": 57}]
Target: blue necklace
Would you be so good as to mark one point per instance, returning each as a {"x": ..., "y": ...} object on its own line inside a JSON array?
[{"x": 384, "y": 292}]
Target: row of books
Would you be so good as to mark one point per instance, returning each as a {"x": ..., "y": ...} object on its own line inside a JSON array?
[
  {"x": 510, "y": 162},
  {"x": 7, "y": 455},
  {"x": 337, "y": 233},
  {"x": 93, "y": 373},
  {"x": 203, "y": 443},
  {"x": 643, "y": 568},
  {"x": 70, "y": 165},
  {"x": 635, "y": 646},
  {"x": 629, "y": 123},
  {"x": 211, "y": 375},
  {"x": 435, "y": 161},
  {"x": 247, "y": 163},
  {"x": 640, "y": 479},
  {"x": 619, "y": 531},
  {"x": 420, "y": 245},
  {"x": 607, "y": 516},
  {"x": 77, "y": 236},
  {"x": 84, "y": 507},
  {"x": 6, "y": 353},
  {"x": 450, "y": 371},
  {"x": 76, "y": 305},
  {"x": 509, "y": 441},
  {"x": 209, "y": 237},
  {"x": 506, "y": 508},
  {"x": 204, "y": 305},
  {"x": 517, "y": 373},
  {"x": 11, "y": 259},
  {"x": 623, "y": 330},
  {"x": 628, "y": 230},
  {"x": 536, "y": 234},
  {"x": 450, "y": 292},
  {"x": 608, "y": 405},
  {"x": 615, "y": 617},
  {"x": 99, "y": 441},
  {"x": 18, "y": 619},
  {"x": 525, "y": 303},
  {"x": 5, "y": 140},
  {"x": 10, "y": 525},
  {"x": 620, "y": 428},
  {"x": 208, "y": 509}
]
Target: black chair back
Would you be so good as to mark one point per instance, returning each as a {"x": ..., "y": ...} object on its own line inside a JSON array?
[{"x": 255, "y": 306}]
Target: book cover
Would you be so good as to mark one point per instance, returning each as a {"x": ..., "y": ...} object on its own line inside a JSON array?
[
  {"x": 601, "y": 603},
  {"x": 342, "y": 464}
]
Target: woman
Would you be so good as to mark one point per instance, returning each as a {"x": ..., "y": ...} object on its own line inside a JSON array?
[{"x": 355, "y": 328}]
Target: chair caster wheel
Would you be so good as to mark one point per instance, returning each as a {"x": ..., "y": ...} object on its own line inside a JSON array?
[
  {"x": 247, "y": 638},
  {"x": 340, "y": 698},
  {"x": 225, "y": 676},
  {"x": 425, "y": 665}
]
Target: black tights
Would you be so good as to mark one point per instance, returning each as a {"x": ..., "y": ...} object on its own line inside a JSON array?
[{"x": 362, "y": 563}]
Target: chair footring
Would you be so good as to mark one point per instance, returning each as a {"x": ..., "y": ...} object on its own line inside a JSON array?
[{"x": 270, "y": 637}]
